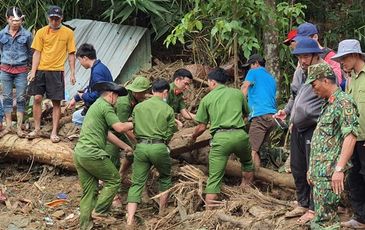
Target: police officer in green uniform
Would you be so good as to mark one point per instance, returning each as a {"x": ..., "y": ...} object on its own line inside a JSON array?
[
  {"x": 136, "y": 93},
  {"x": 182, "y": 79},
  {"x": 332, "y": 145},
  {"x": 223, "y": 108},
  {"x": 154, "y": 125},
  {"x": 91, "y": 161}
]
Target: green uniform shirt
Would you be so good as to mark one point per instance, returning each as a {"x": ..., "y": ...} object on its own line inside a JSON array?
[
  {"x": 338, "y": 119},
  {"x": 154, "y": 119},
  {"x": 175, "y": 99},
  {"x": 357, "y": 91},
  {"x": 224, "y": 108},
  {"x": 98, "y": 120},
  {"x": 124, "y": 107}
]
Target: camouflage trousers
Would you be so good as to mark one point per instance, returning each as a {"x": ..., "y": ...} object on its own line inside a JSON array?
[{"x": 325, "y": 205}]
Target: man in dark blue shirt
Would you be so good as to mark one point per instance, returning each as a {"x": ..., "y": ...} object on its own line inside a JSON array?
[{"x": 86, "y": 55}]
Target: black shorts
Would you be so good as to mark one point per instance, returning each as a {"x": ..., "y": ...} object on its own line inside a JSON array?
[{"x": 51, "y": 83}]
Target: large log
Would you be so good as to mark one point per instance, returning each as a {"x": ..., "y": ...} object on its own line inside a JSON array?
[
  {"x": 40, "y": 149},
  {"x": 60, "y": 154}
]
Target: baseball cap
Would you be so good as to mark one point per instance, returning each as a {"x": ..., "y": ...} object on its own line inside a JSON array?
[
  {"x": 55, "y": 11},
  {"x": 318, "y": 71},
  {"x": 307, "y": 29},
  {"x": 139, "y": 84},
  {"x": 253, "y": 58},
  {"x": 291, "y": 35}
]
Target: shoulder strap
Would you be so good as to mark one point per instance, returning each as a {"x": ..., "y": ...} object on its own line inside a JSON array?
[{"x": 326, "y": 51}]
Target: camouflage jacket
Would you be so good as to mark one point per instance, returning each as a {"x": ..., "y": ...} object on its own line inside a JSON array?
[{"x": 339, "y": 117}]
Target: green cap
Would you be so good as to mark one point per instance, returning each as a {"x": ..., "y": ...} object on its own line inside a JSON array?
[
  {"x": 318, "y": 71},
  {"x": 139, "y": 84}
]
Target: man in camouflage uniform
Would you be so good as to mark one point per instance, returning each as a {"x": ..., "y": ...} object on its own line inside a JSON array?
[{"x": 332, "y": 145}]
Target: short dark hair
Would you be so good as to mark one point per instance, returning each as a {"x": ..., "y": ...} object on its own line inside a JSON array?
[
  {"x": 182, "y": 73},
  {"x": 86, "y": 50},
  {"x": 10, "y": 11},
  {"x": 219, "y": 75},
  {"x": 160, "y": 85}
]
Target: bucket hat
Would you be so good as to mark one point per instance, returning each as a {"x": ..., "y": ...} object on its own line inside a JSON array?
[
  {"x": 139, "y": 84},
  {"x": 306, "y": 45},
  {"x": 348, "y": 46},
  {"x": 103, "y": 86}
]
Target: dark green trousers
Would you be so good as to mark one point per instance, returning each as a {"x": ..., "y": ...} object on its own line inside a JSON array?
[
  {"x": 90, "y": 171},
  {"x": 223, "y": 144},
  {"x": 146, "y": 155}
]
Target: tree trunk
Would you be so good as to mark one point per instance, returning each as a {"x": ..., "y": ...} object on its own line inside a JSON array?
[{"x": 271, "y": 43}]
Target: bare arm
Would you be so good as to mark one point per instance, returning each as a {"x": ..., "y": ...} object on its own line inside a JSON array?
[
  {"x": 244, "y": 87},
  {"x": 346, "y": 153},
  {"x": 116, "y": 141},
  {"x": 71, "y": 61},
  {"x": 122, "y": 127},
  {"x": 35, "y": 63},
  {"x": 131, "y": 136},
  {"x": 199, "y": 130},
  {"x": 187, "y": 115}
]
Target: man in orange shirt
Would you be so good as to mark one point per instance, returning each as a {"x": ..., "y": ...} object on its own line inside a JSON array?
[{"x": 52, "y": 44}]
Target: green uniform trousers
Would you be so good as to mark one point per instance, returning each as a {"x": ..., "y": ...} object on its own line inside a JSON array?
[
  {"x": 222, "y": 145},
  {"x": 325, "y": 205},
  {"x": 146, "y": 155},
  {"x": 90, "y": 171}
]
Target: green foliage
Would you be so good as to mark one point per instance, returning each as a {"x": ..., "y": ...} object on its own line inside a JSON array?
[
  {"x": 211, "y": 26},
  {"x": 35, "y": 10}
]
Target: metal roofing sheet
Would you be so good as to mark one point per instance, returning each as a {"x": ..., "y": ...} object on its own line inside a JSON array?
[{"x": 113, "y": 43}]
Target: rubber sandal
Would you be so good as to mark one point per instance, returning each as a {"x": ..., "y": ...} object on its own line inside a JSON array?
[
  {"x": 55, "y": 139},
  {"x": 34, "y": 134},
  {"x": 297, "y": 211},
  {"x": 353, "y": 224},
  {"x": 21, "y": 133},
  {"x": 308, "y": 216}
]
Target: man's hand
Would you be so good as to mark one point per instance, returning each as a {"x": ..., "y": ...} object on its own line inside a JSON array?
[
  {"x": 281, "y": 114},
  {"x": 337, "y": 182},
  {"x": 71, "y": 104},
  {"x": 73, "y": 79},
  {"x": 179, "y": 124},
  {"x": 128, "y": 151},
  {"x": 309, "y": 180},
  {"x": 30, "y": 76}
]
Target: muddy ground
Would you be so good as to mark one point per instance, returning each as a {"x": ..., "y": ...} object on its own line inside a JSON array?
[{"x": 34, "y": 193}]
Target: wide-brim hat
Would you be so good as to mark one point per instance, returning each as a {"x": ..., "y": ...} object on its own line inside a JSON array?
[
  {"x": 139, "y": 84},
  {"x": 348, "y": 46},
  {"x": 103, "y": 86},
  {"x": 306, "y": 45}
]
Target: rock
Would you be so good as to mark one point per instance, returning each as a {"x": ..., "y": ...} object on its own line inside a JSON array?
[{"x": 58, "y": 214}]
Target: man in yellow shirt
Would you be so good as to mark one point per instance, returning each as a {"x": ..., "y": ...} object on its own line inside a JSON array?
[{"x": 52, "y": 45}]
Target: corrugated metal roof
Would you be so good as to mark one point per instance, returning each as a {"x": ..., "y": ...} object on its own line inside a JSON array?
[{"x": 113, "y": 43}]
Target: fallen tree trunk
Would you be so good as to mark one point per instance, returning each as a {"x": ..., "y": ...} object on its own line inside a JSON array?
[
  {"x": 40, "y": 150},
  {"x": 60, "y": 154}
]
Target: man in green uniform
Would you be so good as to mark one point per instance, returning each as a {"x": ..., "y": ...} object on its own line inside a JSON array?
[
  {"x": 154, "y": 125},
  {"x": 91, "y": 161},
  {"x": 223, "y": 108},
  {"x": 352, "y": 59},
  {"x": 332, "y": 145},
  {"x": 181, "y": 81},
  {"x": 123, "y": 108}
]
